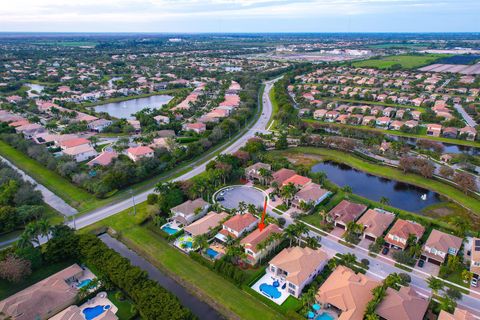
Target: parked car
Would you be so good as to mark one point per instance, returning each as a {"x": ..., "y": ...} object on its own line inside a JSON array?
[
  {"x": 421, "y": 263},
  {"x": 474, "y": 282},
  {"x": 385, "y": 250}
]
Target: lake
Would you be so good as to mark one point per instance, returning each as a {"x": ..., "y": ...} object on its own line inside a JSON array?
[
  {"x": 35, "y": 87},
  {"x": 448, "y": 147},
  {"x": 400, "y": 195},
  {"x": 125, "y": 109}
]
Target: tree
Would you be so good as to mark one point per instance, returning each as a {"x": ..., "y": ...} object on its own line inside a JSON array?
[
  {"x": 435, "y": 284},
  {"x": 288, "y": 192},
  {"x": 454, "y": 294},
  {"x": 465, "y": 181},
  {"x": 242, "y": 207},
  {"x": 63, "y": 245},
  {"x": 467, "y": 276},
  {"x": 200, "y": 241},
  {"x": 265, "y": 174},
  {"x": 14, "y": 269},
  {"x": 384, "y": 200},
  {"x": 44, "y": 228},
  {"x": 446, "y": 171}
]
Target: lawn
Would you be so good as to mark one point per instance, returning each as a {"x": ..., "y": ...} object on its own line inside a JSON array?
[
  {"x": 401, "y": 134},
  {"x": 442, "y": 188},
  {"x": 274, "y": 108},
  {"x": 405, "y": 61},
  {"x": 197, "y": 278},
  {"x": 124, "y": 307},
  {"x": 7, "y": 289},
  {"x": 73, "y": 195}
]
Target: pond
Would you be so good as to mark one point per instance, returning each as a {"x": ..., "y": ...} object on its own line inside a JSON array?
[
  {"x": 125, "y": 109},
  {"x": 400, "y": 195},
  {"x": 35, "y": 87},
  {"x": 448, "y": 147}
]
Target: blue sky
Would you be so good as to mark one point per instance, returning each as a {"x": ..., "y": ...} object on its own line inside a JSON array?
[{"x": 240, "y": 15}]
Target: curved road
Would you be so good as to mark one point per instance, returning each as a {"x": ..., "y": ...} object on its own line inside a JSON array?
[{"x": 259, "y": 126}]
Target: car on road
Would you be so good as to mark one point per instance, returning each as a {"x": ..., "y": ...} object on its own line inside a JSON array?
[
  {"x": 220, "y": 198},
  {"x": 385, "y": 250},
  {"x": 421, "y": 263},
  {"x": 474, "y": 282}
]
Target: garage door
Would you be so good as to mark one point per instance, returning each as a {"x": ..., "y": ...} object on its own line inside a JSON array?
[
  {"x": 369, "y": 237},
  {"x": 340, "y": 225},
  {"x": 433, "y": 261}
]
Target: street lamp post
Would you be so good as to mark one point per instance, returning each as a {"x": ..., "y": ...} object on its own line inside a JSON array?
[{"x": 133, "y": 201}]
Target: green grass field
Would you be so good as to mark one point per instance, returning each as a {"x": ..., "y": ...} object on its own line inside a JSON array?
[
  {"x": 274, "y": 108},
  {"x": 405, "y": 61},
  {"x": 199, "y": 279},
  {"x": 448, "y": 191}
]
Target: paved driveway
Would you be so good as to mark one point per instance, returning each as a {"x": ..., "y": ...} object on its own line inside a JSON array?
[{"x": 237, "y": 194}]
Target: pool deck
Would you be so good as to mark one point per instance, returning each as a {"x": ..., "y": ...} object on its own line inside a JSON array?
[
  {"x": 267, "y": 278},
  {"x": 178, "y": 243},
  {"x": 99, "y": 300}
]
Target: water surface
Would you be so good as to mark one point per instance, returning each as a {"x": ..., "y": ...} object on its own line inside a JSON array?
[{"x": 125, "y": 109}]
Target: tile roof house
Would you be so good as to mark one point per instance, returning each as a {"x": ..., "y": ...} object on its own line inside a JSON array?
[
  {"x": 438, "y": 245},
  {"x": 375, "y": 223},
  {"x": 469, "y": 132},
  {"x": 345, "y": 212},
  {"x": 74, "y": 142},
  {"x": 45, "y": 298},
  {"x": 195, "y": 127},
  {"x": 205, "y": 224},
  {"x": 434, "y": 129},
  {"x": 298, "y": 267},
  {"x": 140, "y": 152},
  {"x": 310, "y": 194},
  {"x": 458, "y": 314},
  {"x": 475, "y": 258},
  {"x": 281, "y": 175},
  {"x": 76, "y": 313},
  {"x": 348, "y": 292},
  {"x": 189, "y": 211},
  {"x": 251, "y": 241},
  {"x": 237, "y": 225},
  {"x": 297, "y": 180},
  {"x": 404, "y": 304},
  {"x": 99, "y": 125},
  {"x": 398, "y": 235},
  {"x": 81, "y": 153},
  {"x": 252, "y": 172},
  {"x": 162, "y": 119},
  {"x": 103, "y": 159}
]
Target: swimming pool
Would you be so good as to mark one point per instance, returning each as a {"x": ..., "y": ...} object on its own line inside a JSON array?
[
  {"x": 84, "y": 283},
  {"x": 93, "y": 312},
  {"x": 324, "y": 316},
  {"x": 270, "y": 290},
  {"x": 168, "y": 229},
  {"x": 211, "y": 253}
]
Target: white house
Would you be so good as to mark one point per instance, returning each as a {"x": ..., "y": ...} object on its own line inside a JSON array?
[{"x": 189, "y": 211}]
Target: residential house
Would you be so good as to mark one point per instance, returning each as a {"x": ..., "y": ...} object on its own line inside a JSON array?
[
  {"x": 347, "y": 292},
  {"x": 162, "y": 119},
  {"x": 99, "y": 125},
  {"x": 434, "y": 129},
  {"x": 140, "y": 152},
  {"x": 438, "y": 245},
  {"x": 197, "y": 127},
  {"x": 30, "y": 130},
  {"x": 475, "y": 258},
  {"x": 416, "y": 115},
  {"x": 375, "y": 222},
  {"x": 103, "y": 159},
  {"x": 312, "y": 194},
  {"x": 237, "y": 225},
  {"x": 74, "y": 142},
  {"x": 469, "y": 132},
  {"x": 345, "y": 212},
  {"x": 81, "y": 153},
  {"x": 396, "y": 125},
  {"x": 319, "y": 114},
  {"x": 368, "y": 120},
  {"x": 253, "y": 172},
  {"x": 402, "y": 229},
  {"x": 404, "y": 304},
  {"x": 458, "y": 314},
  {"x": 383, "y": 121},
  {"x": 250, "y": 243},
  {"x": 45, "y": 298},
  {"x": 281, "y": 175},
  {"x": 206, "y": 224},
  {"x": 297, "y": 180},
  {"x": 189, "y": 211},
  {"x": 297, "y": 267}
]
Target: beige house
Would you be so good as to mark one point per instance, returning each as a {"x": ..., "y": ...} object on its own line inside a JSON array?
[
  {"x": 375, "y": 223},
  {"x": 252, "y": 173},
  {"x": 404, "y": 304},
  {"x": 141, "y": 152},
  {"x": 189, "y": 211},
  {"x": 402, "y": 229},
  {"x": 347, "y": 292},
  {"x": 45, "y": 298},
  {"x": 345, "y": 212},
  {"x": 458, "y": 314},
  {"x": 438, "y": 245},
  {"x": 310, "y": 194},
  {"x": 297, "y": 267},
  {"x": 251, "y": 241},
  {"x": 475, "y": 258},
  {"x": 205, "y": 224}
]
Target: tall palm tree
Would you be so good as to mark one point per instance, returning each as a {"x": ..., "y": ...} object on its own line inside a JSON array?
[
  {"x": 44, "y": 228},
  {"x": 288, "y": 192},
  {"x": 24, "y": 241},
  {"x": 290, "y": 233},
  {"x": 435, "y": 284},
  {"x": 242, "y": 206},
  {"x": 32, "y": 232},
  {"x": 200, "y": 241},
  {"x": 251, "y": 208},
  {"x": 384, "y": 200},
  {"x": 301, "y": 229}
]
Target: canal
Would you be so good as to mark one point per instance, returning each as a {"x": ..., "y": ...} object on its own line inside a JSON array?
[
  {"x": 126, "y": 109},
  {"x": 400, "y": 195},
  {"x": 201, "y": 309}
]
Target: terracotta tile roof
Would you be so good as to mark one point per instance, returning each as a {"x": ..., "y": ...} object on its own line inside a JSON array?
[
  {"x": 73, "y": 142},
  {"x": 311, "y": 192},
  {"x": 103, "y": 159},
  {"x": 84, "y": 148},
  {"x": 297, "y": 180},
  {"x": 203, "y": 225},
  {"x": 475, "y": 256},
  {"x": 299, "y": 262},
  {"x": 347, "y": 211},
  {"x": 240, "y": 221},
  {"x": 376, "y": 222},
  {"x": 404, "y": 304},
  {"x": 458, "y": 314},
  {"x": 189, "y": 207},
  {"x": 139, "y": 151},
  {"x": 283, "y": 174},
  {"x": 443, "y": 241},
  {"x": 348, "y": 292},
  {"x": 402, "y": 229},
  {"x": 253, "y": 239}
]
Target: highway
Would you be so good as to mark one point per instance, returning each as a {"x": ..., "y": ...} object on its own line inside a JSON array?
[{"x": 197, "y": 167}]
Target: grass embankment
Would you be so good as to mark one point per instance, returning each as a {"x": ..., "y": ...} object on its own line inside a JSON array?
[
  {"x": 474, "y": 144},
  {"x": 444, "y": 189},
  {"x": 197, "y": 278},
  {"x": 273, "y": 100},
  {"x": 73, "y": 195},
  {"x": 405, "y": 61}
]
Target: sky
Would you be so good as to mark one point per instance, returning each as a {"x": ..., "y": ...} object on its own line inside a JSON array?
[{"x": 196, "y": 16}]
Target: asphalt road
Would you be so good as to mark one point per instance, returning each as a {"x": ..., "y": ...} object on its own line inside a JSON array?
[{"x": 198, "y": 167}]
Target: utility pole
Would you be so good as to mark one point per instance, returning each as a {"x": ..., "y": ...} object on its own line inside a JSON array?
[{"x": 133, "y": 200}]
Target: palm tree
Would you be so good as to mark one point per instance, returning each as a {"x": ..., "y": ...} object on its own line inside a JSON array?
[
  {"x": 301, "y": 229},
  {"x": 467, "y": 276},
  {"x": 384, "y": 200},
  {"x": 44, "y": 228},
  {"x": 242, "y": 206},
  {"x": 31, "y": 230},
  {"x": 290, "y": 233},
  {"x": 265, "y": 174},
  {"x": 347, "y": 189},
  {"x": 251, "y": 208},
  {"x": 312, "y": 242},
  {"x": 24, "y": 241},
  {"x": 435, "y": 284},
  {"x": 200, "y": 241},
  {"x": 260, "y": 247},
  {"x": 288, "y": 192},
  {"x": 349, "y": 259},
  {"x": 275, "y": 187}
]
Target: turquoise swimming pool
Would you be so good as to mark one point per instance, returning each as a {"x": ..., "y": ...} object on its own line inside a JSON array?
[
  {"x": 93, "y": 312},
  {"x": 270, "y": 290},
  {"x": 84, "y": 283},
  {"x": 324, "y": 316},
  {"x": 211, "y": 253},
  {"x": 168, "y": 229}
]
